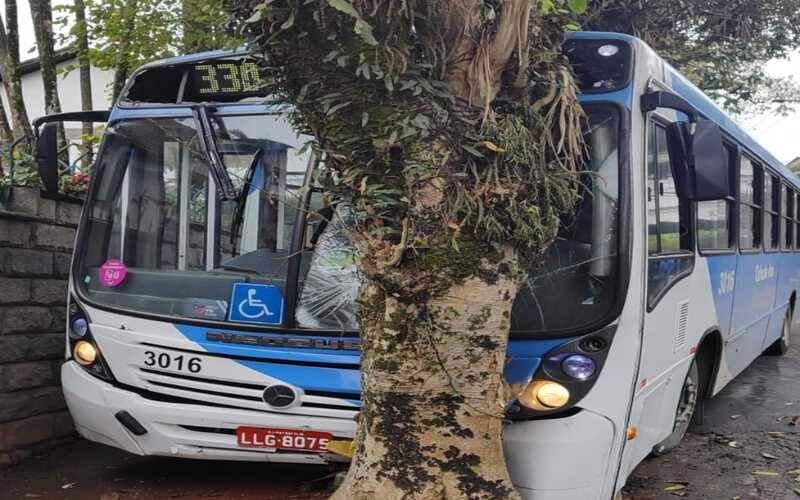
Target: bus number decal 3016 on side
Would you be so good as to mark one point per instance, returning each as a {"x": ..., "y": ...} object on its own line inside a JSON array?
[{"x": 166, "y": 361}]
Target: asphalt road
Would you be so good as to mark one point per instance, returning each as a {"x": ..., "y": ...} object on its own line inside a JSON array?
[{"x": 745, "y": 448}]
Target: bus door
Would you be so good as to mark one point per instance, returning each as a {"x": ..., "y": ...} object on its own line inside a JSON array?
[{"x": 670, "y": 265}]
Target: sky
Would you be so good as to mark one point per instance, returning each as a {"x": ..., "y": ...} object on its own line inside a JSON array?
[{"x": 778, "y": 134}]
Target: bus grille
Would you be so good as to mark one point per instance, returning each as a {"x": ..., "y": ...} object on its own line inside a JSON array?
[{"x": 243, "y": 395}]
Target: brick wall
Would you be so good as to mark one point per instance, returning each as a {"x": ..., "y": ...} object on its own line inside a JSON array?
[{"x": 36, "y": 239}]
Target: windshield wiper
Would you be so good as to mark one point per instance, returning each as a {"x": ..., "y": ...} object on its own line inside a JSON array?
[
  {"x": 206, "y": 137},
  {"x": 241, "y": 201}
]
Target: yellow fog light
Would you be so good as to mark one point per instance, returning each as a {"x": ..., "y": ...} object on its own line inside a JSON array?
[
  {"x": 544, "y": 395},
  {"x": 85, "y": 353}
]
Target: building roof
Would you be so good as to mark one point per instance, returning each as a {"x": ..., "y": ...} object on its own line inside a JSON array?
[{"x": 33, "y": 64}]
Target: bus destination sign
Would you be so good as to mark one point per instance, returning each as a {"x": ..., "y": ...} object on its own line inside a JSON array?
[{"x": 224, "y": 80}]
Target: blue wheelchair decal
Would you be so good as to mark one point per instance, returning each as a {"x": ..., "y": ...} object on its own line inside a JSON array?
[{"x": 256, "y": 304}]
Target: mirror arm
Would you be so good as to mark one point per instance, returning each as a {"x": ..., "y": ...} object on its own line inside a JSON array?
[
  {"x": 662, "y": 99},
  {"x": 73, "y": 116}
]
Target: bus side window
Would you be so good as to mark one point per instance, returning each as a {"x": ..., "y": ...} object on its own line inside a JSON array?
[
  {"x": 750, "y": 200},
  {"x": 668, "y": 220},
  {"x": 797, "y": 219},
  {"x": 715, "y": 218},
  {"x": 772, "y": 209},
  {"x": 787, "y": 226}
]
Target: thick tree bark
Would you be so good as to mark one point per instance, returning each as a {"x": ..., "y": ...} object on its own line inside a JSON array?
[
  {"x": 9, "y": 70},
  {"x": 433, "y": 394},
  {"x": 85, "y": 74},
  {"x": 121, "y": 66}
]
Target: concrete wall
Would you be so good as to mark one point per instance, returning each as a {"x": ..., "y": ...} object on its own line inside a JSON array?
[{"x": 36, "y": 240}]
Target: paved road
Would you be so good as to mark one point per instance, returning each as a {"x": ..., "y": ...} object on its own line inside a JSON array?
[{"x": 727, "y": 457}]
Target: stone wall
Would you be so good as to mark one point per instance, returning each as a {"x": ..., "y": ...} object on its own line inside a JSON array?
[{"x": 36, "y": 239}]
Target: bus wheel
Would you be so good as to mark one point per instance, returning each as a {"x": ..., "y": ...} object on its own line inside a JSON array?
[
  {"x": 683, "y": 416},
  {"x": 781, "y": 346}
]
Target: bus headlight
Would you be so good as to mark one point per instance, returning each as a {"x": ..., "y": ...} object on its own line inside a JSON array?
[
  {"x": 85, "y": 353},
  {"x": 78, "y": 328},
  {"x": 544, "y": 395},
  {"x": 578, "y": 366}
]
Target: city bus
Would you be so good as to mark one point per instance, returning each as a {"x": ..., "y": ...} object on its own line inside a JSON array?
[{"x": 211, "y": 300}]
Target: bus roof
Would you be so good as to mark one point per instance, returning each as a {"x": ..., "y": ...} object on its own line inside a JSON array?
[
  {"x": 679, "y": 83},
  {"x": 697, "y": 98}
]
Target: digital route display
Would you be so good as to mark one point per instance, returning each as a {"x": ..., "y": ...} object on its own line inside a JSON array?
[{"x": 223, "y": 80}]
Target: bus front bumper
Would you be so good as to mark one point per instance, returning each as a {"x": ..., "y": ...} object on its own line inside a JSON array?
[
  {"x": 557, "y": 459},
  {"x": 181, "y": 430}
]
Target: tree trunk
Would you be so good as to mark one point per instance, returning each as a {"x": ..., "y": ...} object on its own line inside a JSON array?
[
  {"x": 85, "y": 74},
  {"x": 458, "y": 158},
  {"x": 433, "y": 393},
  {"x": 121, "y": 68},
  {"x": 9, "y": 69},
  {"x": 41, "y": 11},
  {"x": 6, "y": 136}
]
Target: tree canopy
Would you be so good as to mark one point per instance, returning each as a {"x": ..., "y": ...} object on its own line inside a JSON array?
[{"x": 720, "y": 45}]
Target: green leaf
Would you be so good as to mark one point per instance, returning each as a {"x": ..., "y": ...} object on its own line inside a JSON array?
[
  {"x": 577, "y": 6},
  {"x": 344, "y": 6},
  {"x": 336, "y": 108},
  {"x": 472, "y": 151},
  {"x": 288, "y": 23},
  {"x": 362, "y": 28}
]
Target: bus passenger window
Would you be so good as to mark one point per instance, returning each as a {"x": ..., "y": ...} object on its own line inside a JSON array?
[
  {"x": 750, "y": 200},
  {"x": 715, "y": 218},
  {"x": 668, "y": 228},
  {"x": 787, "y": 226},
  {"x": 797, "y": 220},
  {"x": 772, "y": 208}
]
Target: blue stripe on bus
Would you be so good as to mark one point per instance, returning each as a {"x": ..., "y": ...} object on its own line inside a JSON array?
[{"x": 523, "y": 358}]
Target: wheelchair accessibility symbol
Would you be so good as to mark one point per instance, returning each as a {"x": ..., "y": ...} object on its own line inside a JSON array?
[{"x": 256, "y": 304}]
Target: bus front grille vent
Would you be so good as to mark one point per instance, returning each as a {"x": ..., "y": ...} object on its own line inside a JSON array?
[{"x": 682, "y": 326}]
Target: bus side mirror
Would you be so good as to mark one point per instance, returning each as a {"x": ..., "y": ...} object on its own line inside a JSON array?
[
  {"x": 699, "y": 161},
  {"x": 47, "y": 158}
]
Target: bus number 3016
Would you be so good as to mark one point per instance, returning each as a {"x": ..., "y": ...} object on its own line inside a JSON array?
[{"x": 179, "y": 362}]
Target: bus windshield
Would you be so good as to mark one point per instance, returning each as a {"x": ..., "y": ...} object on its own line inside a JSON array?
[
  {"x": 160, "y": 240},
  {"x": 155, "y": 216}
]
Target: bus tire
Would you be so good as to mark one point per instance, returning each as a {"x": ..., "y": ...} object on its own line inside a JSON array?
[
  {"x": 781, "y": 346},
  {"x": 684, "y": 413}
]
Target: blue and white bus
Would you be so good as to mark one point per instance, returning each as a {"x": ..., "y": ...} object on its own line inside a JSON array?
[{"x": 211, "y": 294}]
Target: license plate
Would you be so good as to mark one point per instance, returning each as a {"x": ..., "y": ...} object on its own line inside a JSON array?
[{"x": 282, "y": 439}]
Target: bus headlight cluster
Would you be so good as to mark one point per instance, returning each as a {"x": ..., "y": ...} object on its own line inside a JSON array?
[
  {"x": 544, "y": 395},
  {"x": 78, "y": 327},
  {"x": 85, "y": 353},
  {"x": 579, "y": 367},
  {"x": 82, "y": 345}
]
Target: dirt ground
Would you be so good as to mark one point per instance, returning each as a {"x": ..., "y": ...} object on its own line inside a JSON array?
[{"x": 748, "y": 446}]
